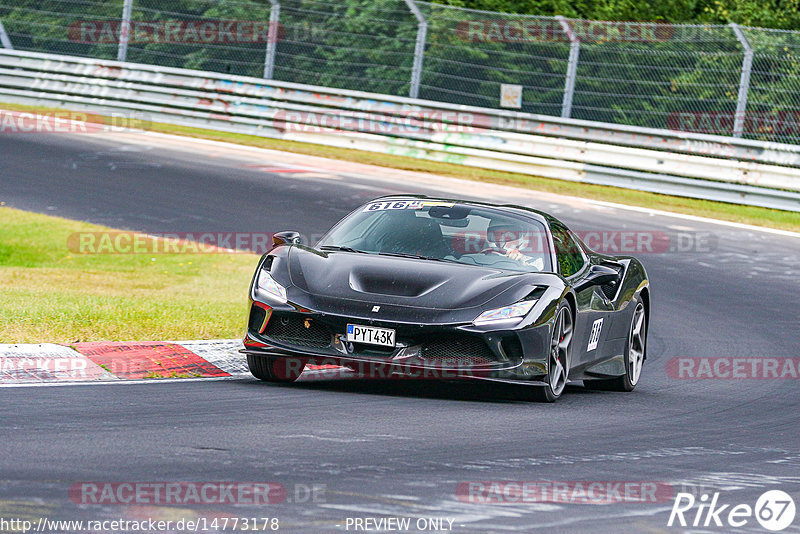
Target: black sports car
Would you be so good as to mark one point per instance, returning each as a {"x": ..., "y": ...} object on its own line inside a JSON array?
[{"x": 450, "y": 289}]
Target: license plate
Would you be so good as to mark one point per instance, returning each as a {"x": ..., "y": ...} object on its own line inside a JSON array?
[{"x": 370, "y": 334}]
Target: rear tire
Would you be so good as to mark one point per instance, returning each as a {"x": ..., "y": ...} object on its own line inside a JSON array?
[
  {"x": 276, "y": 369},
  {"x": 634, "y": 356}
]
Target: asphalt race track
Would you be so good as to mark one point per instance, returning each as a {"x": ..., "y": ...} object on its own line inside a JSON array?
[{"x": 399, "y": 448}]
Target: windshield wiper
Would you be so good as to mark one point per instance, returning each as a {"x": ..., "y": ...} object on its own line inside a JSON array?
[
  {"x": 340, "y": 249},
  {"x": 416, "y": 256}
]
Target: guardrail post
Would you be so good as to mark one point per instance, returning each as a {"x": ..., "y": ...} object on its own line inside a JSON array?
[
  {"x": 572, "y": 67},
  {"x": 124, "y": 30},
  {"x": 419, "y": 48},
  {"x": 4, "y": 40},
  {"x": 272, "y": 38},
  {"x": 744, "y": 81}
]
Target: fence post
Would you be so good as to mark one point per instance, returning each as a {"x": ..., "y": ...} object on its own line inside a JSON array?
[
  {"x": 124, "y": 30},
  {"x": 272, "y": 38},
  {"x": 419, "y": 48},
  {"x": 572, "y": 67},
  {"x": 4, "y": 40},
  {"x": 744, "y": 81}
]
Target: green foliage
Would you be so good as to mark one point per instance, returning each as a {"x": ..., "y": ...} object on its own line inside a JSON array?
[
  {"x": 783, "y": 14},
  {"x": 639, "y": 73}
]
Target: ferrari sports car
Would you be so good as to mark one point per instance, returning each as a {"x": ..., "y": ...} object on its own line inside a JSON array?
[{"x": 411, "y": 286}]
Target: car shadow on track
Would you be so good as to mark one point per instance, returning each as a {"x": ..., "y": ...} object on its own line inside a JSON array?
[{"x": 467, "y": 390}]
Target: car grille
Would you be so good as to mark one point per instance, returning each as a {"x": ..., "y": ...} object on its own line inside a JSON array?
[
  {"x": 445, "y": 351},
  {"x": 457, "y": 351},
  {"x": 292, "y": 331}
]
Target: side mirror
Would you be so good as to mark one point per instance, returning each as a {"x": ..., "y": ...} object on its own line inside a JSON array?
[
  {"x": 598, "y": 275},
  {"x": 286, "y": 238}
]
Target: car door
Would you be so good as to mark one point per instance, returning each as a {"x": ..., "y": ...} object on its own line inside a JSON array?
[{"x": 593, "y": 312}]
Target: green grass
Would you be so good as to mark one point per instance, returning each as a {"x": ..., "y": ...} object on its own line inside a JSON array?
[
  {"x": 718, "y": 210},
  {"x": 50, "y": 293}
]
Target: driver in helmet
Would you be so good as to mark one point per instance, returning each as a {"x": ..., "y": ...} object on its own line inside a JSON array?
[{"x": 510, "y": 239}]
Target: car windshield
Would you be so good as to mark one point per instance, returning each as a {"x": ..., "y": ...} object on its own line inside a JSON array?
[{"x": 444, "y": 231}]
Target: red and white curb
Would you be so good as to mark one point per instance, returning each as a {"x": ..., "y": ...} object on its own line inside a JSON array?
[{"x": 106, "y": 362}]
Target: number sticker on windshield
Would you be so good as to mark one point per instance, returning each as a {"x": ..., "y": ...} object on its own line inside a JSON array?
[{"x": 404, "y": 205}]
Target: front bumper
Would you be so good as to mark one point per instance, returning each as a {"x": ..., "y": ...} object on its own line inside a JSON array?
[{"x": 444, "y": 351}]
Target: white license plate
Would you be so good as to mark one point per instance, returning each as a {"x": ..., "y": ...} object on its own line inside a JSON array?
[{"x": 371, "y": 335}]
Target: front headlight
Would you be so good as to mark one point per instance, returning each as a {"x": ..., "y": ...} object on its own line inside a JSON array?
[
  {"x": 520, "y": 309},
  {"x": 268, "y": 284}
]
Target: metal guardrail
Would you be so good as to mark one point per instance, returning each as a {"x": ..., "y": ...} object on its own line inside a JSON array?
[{"x": 693, "y": 165}]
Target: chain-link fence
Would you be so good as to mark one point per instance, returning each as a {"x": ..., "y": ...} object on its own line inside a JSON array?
[{"x": 703, "y": 78}]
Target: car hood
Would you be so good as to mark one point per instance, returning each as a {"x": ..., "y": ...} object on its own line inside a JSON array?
[{"x": 405, "y": 282}]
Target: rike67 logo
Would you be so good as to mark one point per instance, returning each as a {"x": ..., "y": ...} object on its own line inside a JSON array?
[{"x": 774, "y": 510}]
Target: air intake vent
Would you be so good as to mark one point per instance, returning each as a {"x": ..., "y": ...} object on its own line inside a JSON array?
[
  {"x": 455, "y": 351},
  {"x": 610, "y": 290},
  {"x": 257, "y": 316}
]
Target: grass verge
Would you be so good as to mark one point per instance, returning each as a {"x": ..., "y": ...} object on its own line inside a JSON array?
[
  {"x": 783, "y": 220},
  {"x": 49, "y": 293}
]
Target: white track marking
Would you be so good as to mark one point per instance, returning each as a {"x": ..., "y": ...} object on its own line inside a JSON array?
[
  {"x": 223, "y": 353},
  {"x": 651, "y": 211}
]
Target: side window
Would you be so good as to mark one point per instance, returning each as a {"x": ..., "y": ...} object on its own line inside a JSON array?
[{"x": 568, "y": 251}]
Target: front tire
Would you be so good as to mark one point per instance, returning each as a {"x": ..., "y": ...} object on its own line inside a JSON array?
[
  {"x": 634, "y": 356},
  {"x": 272, "y": 369},
  {"x": 559, "y": 358}
]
